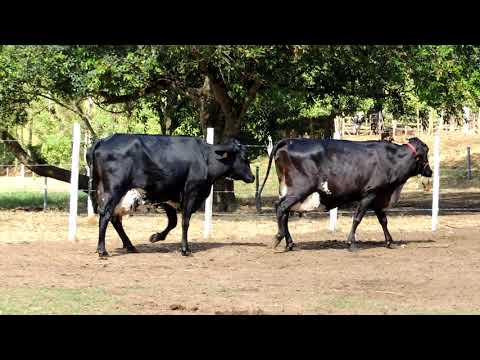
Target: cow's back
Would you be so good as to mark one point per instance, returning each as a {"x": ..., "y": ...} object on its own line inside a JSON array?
[
  {"x": 344, "y": 170},
  {"x": 153, "y": 162}
]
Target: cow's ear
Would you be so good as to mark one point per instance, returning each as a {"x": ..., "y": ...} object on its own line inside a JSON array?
[
  {"x": 222, "y": 154},
  {"x": 225, "y": 150}
]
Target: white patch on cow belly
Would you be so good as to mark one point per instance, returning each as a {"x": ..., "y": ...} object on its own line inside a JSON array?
[
  {"x": 310, "y": 203},
  {"x": 128, "y": 200},
  {"x": 325, "y": 188},
  {"x": 283, "y": 189}
]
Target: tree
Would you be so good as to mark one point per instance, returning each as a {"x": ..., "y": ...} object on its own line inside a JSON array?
[{"x": 242, "y": 91}]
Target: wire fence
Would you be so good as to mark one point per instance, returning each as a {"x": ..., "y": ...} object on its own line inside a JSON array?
[
  {"x": 17, "y": 187},
  {"x": 20, "y": 185}
]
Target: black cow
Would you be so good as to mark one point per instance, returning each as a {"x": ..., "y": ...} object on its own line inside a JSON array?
[
  {"x": 167, "y": 169},
  {"x": 337, "y": 172}
]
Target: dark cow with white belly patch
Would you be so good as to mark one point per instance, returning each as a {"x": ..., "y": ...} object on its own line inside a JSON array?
[
  {"x": 167, "y": 169},
  {"x": 338, "y": 172}
]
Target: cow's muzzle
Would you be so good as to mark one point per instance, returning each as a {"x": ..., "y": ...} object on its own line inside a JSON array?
[
  {"x": 427, "y": 171},
  {"x": 249, "y": 179}
]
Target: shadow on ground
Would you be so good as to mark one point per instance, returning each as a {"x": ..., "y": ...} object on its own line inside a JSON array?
[
  {"x": 195, "y": 247},
  {"x": 362, "y": 245},
  {"x": 265, "y": 242}
]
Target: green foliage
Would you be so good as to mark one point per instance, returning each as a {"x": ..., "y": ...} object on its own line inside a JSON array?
[
  {"x": 155, "y": 88},
  {"x": 6, "y": 157}
]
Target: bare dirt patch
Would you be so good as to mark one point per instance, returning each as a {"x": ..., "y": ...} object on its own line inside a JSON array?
[{"x": 236, "y": 271}]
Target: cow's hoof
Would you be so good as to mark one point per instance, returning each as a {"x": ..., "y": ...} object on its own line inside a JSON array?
[
  {"x": 290, "y": 246},
  {"x": 353, "y": 248},
  {"x": 103, "y": 253},
  {"x": 276, "y": 241},
  {"x": 156, "y": 237},
  {"x": 186, "y": 253},
  {"x": 132, "y": 250},
  {"x": 391, "y": 245}
]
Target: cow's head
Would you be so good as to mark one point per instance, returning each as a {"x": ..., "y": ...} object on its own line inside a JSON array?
[
  {"x": 423, "y": 167},
  {"x": 234, "y": 154}
]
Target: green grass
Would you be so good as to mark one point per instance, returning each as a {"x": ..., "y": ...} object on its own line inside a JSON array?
[
  {"x": 28, "y": 301},
  {"x": 28, "y": 199},
  {"x": 354, "y": 304},
  {"x": 246, "y": 191}
]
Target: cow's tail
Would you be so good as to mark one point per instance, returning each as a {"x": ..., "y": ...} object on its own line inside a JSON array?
[
  {"x": 272, "y": 154},
  {"x": 92, "y": 184}
]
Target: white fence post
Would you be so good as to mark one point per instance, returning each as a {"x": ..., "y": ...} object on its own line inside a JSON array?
[
  {"x": 207, "y": 229},
  {"x": 45, "y": 194},
  {"x": 72, "y": 219},
  {"x": 333, "y": 213},
  {"x": 90, "y": 212},
  {"x": 436, "y": 182}
]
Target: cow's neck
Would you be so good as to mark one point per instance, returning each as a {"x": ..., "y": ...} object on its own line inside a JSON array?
[
  {"x": 407, "y": 167},
  {"x": 216, "y": 168}
]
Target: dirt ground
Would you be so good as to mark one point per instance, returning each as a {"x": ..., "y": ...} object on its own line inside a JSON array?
[{"x": 236, "y": 271}]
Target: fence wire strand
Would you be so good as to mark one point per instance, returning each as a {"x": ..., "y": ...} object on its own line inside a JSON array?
[{"x": 249, "y": 192}]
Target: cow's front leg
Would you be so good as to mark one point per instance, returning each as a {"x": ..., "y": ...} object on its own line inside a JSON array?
[
  {"x": 188, "y": 210},
  {"x": 382, "y": 219},
  {"x": 357, "y": 219}
]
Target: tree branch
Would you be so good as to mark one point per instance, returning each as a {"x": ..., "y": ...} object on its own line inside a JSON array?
[
  {"x": 221, "y": 96},
  {"x": 41, "y": 168},
  {"x": 77, "y": 110},
  {"x": 86, "y": 119},
  {"x": 251, "y": 94},
  {"x": 158, "y": 85}
]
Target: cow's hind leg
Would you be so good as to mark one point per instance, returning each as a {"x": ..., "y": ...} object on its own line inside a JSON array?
[
  {"x": 127, "y": 244},
  {"x": 283, "y": 209},
  {"x": 106, "y": 213},
  {"x": 172, "y": 223},
  {"x": 357, "y": 219},
  {"x": 382, "y": 219},
  {"x": 288, "y": 237},
  {"x": 284, "y": 221}
]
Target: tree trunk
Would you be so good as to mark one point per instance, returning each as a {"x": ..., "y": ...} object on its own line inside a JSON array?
[
  {"x": 41, "y": 169},
  {"x": 478, "y": 122},
  {"x": 226, "y": 117},
  {"x": 30, "y": 132},
  {"x": 211, "y": 115}
]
